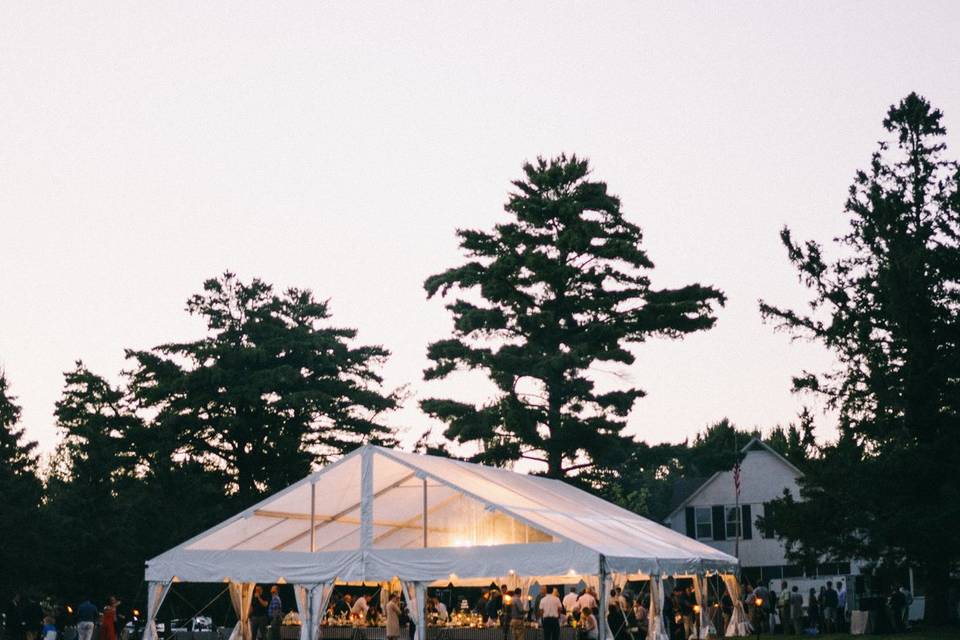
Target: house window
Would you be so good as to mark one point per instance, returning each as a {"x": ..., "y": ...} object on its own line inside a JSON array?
[
  {"x": 704, "y": 523},
  {"x": 733, "y": 522}
]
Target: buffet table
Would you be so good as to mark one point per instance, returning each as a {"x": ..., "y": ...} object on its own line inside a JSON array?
[{"x": 343, "y": 632}]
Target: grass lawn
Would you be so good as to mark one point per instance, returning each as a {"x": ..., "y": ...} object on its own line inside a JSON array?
[{"x": 944, "y": 633}]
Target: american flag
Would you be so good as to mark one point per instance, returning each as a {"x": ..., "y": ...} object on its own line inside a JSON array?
[{"x": 736, "y": 476}]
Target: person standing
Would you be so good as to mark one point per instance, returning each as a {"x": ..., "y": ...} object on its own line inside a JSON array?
[
  {"x": 570, "y": 605},
  {"x": 481, "y": 606},
  {"x": 108, "y": 622},
  {"x": 831, "y": 602},
  {"x": 549, "y": 611},
  {"x": 517, "y": 614},
  {"x": 493, "y": 606},
  {"x": 813, "y": 610},
  {"x": 907, "y": 601},
  {"x": 393, "y": 617},
  {"x": 897, "y": 603},
  {"x": 258, "y": 614},
  {"x": 586, "y": 599},
  {"x": 796, "y": 610},
  {"x": 275, "y": 612},
  {"x": 86, "y": 620},
  {"x": 841, "y": 606},
  {"x": 783, "y": 606}
]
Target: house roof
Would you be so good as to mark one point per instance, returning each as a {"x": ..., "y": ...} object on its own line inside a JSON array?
[
  {"x": 754, "y": 444},
  {"x": 363, "y": 518}
]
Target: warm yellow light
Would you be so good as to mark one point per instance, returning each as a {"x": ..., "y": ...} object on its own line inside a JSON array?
[
  {"x": 696, "y": 608},
  {"x": 69, "y": 609},
  {"x": 759, "y": 602},
  {"x": 453, "y": 576},
  {"x": 462, "y": 542},
  {"x": 507, "y": 599},
  {"x": 136, "y": 612}
]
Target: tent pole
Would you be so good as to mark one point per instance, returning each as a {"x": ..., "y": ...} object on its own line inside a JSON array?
[
  {"x": 602, "y": 600},
  {"x": 313, "y": 517},
  {"x": 424, "y": 513}
]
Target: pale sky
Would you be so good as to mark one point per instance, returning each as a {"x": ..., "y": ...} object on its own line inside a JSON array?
[{"x": 145, "y": 147}]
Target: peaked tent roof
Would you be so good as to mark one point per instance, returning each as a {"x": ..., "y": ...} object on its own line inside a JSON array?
[{"x": 379, "y": 513}]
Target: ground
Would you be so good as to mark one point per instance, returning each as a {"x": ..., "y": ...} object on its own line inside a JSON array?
[{"x": 946, "y": 633}]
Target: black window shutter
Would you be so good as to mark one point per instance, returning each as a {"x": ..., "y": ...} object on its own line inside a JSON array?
[
  {"x": 767, "y": 518},
  {"x": 747, "y": 522},
  {"x": 719, "y": 522},
  {"x": 691, "y": 523}
]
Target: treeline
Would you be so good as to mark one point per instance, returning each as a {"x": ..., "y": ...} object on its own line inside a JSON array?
[{"x": 198, "y": 430}]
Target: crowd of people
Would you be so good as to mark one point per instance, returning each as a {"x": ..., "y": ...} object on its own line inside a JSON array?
[
  {"x": 767, "y": 611},
  {"x": 28, "y": 619}
]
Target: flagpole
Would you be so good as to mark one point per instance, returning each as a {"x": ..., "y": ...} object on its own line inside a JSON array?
[{"x": 736, "y": 486}]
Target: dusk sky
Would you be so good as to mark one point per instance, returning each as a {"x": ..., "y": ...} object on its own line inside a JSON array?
[{"x": 145, "y": 147}]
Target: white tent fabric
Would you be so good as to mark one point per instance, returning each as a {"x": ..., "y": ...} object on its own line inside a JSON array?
[
  {"x": 655, "y": 622},
  {"x": 739, "y": 624},
  {"x": 312, "y": 601},
  {"x": 156, "y": 593},
  {"x": 377, "y": 514},
  {"x": 700, "y": 588},
  {"x": 241, "y": 595}
]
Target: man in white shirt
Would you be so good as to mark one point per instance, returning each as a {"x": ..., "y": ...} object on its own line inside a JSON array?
[
  {"x": 570, "y": 602},
  {"x": 587, "y": 600},
  {"x": 550, "y": 607},
  {"x": 360, "y": 607}
]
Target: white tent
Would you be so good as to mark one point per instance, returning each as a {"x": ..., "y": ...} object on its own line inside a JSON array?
[{"x": 379, "y": 515}]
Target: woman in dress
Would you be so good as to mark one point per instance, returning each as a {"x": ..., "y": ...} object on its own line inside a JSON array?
[{"x": 108, "y": 622}]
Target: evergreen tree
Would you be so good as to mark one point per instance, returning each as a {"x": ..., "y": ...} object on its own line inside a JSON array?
[
  {"x": 796, "y": 442},
  {"x": 270, "y": 390},
  {"x": 21, "y": 491},
  {"x": 91, "y": 519},
  {"x": 889, "y": 309},
  {"x": 562, "y": 286}
]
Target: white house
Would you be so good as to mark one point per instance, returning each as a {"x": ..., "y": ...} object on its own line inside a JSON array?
[{"x": 710, "y": 514}]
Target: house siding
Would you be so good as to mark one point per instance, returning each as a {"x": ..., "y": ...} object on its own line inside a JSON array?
[{"x": 763, "y": 477}]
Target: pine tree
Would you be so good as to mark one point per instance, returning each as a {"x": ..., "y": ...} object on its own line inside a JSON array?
[
  {"x": 889, "y": 309},
  {"x": 269, "y": 391},
  {"x": 560, "y": 287},
  {"x": 90, "y": 515},
  {"x": 21, "y": 491}
]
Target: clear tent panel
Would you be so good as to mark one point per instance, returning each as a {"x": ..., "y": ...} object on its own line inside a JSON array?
[{"x": 420, "y": 510}]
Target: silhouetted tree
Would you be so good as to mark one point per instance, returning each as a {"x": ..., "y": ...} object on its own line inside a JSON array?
[
  {"x": 90, "y": 515},
  {"x": 270, "y": 390},
  {"x": 562, "y": 286},
  {"x": 889, "y": 310},
  {"x": 21, "y": 493}
]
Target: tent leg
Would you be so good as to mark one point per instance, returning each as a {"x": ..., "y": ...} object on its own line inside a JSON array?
[
  {"x": 603, "y": 579},
  {"x": 421, "y": 590}
]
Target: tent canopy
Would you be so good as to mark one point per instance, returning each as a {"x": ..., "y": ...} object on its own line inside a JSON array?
[{"x": 378, "y": 513}]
